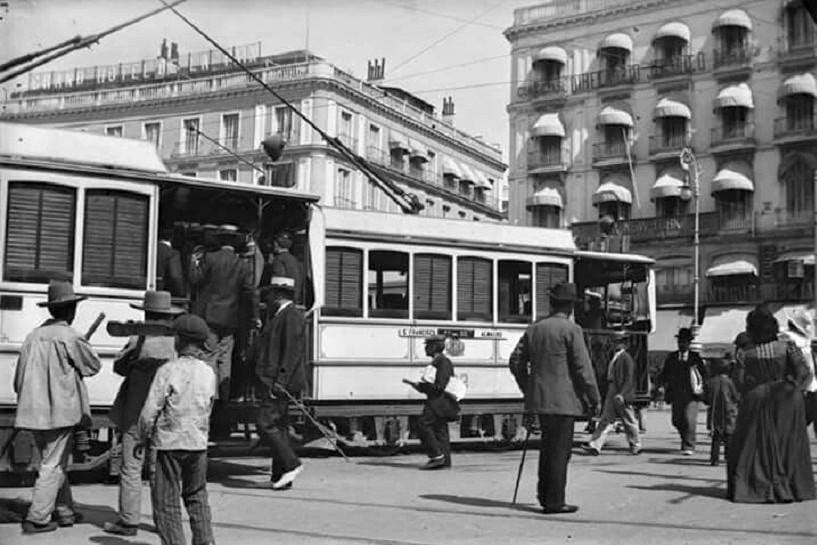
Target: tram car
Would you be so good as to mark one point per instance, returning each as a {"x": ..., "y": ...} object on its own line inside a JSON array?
[{"x": 90, "y": 208}]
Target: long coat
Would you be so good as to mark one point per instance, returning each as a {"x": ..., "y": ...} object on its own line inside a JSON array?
[
  {"x": 222, "y": 279},
  {"x": 282, "y": 354},
  {"x": 53, "y": 360},
  {"x": 552, "y": 367},
  {"x": 675, "y": 376},
  {"x": 623, "y": 379}
]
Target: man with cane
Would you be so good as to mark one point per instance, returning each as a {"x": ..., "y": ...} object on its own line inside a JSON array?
[{"x": 552, "y": 367}]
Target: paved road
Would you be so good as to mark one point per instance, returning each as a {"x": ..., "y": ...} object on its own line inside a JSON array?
[{"x": 658, "y": 497}]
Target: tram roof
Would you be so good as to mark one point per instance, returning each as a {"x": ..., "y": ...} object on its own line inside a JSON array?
[
  {"x": 611, "y": 256},
  {"x": 411, "y": 228}
]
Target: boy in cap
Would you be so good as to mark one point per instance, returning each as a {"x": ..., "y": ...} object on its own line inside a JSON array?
[
  {"x": 722, "y": 397},
  {"x": 138, "y": 363},
  {"x": 51, "y": 401},
  {"x": 176, "y": 419}
]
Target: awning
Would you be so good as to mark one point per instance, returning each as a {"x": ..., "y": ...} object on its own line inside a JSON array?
[
  {"x": 733, "y": 17},
  {"x": 668, "y": 184},
  {"x": 675, "y": 29},
  {"x": 482, "y": 180},
  {"x": 468, "y": 174},
  {"x": 416, "y": 151},
  {"x": 739, "y": 95},
  {"x": 614, "y": 116},
  {"x": 451, "y": 167},
  {"x": 668, "y": 322},
  {"x": 548, "y": 125},
  {"x": 733, "y": 176},
  {"x": 398, "y": 141},
  {"x": 800, "y": 84},
  {"x": 551, "y": 53},
  {"x": 733, "y": 266},
  {"x": 547, "y": 196},
  {"x": 672, "y": 108},
  {"x": 618, "y": 40},
  {"x": 807, "y": 257},
  {"x": 720, "y": 327},
  {"x": 611, "y": 191}
]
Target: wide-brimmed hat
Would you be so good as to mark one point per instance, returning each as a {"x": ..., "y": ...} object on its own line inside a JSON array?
[
  {"x": 565, "y": 291},
  {"x": 190, "y": 326},
  {"x": 685, "y": 334},
  {"x": 802, "y": 323},
  {"x": 60, "y": 292},
  {"x": 282, "y": 283},
  {"x": 159, "y": 302}
]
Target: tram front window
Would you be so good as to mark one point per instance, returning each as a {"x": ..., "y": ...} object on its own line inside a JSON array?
[
  {"x": 515, "y": 291},
  {"x": 388, "y": 284}
]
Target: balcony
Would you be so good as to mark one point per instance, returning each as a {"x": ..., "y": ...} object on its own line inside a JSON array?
[
  {"x": 795, "y": 129},
  {"x": 610, "y": 153},
  {"x": 681, "y": 65},
  {"x": 732, "y": 61},
  {"x": 548, "y": 160},
  {"x": 797, "y": 51},
  {"x": 664, "y": 146},
  {"x": 757, "y": 292},
  {"x": 544, "y": 91},
  {"x": 732, "y": 138},
  {"x": 624, "y": 76}
]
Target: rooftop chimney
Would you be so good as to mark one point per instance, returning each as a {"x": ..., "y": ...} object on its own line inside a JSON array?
[
  {"x": 376, "y": 70},
  {"x": 448, "y": 110}
]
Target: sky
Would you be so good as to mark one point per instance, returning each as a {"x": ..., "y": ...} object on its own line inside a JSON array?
[{"x": 433, "y": 48}]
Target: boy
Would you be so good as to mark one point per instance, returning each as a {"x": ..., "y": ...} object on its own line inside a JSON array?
[{"x": 722, "y": 397}]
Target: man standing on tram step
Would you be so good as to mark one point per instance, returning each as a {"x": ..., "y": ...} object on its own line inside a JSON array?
[
  {"x": 618, "y": 403},
  {"x": 680, "y": 369},
  {"x": 51, "y": 401},
  {"x": 283, "y": 263},
  {"x": 169, "y": 275},
  {"x": 138, "y": 363},
  {"x": 552, "y": 367},
  {"x": 175, "y": 419},
  {"x": 281, "y": 369},
  {"x": 221, "y": 279}
]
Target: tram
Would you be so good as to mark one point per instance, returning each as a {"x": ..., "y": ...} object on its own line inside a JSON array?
[{"x": 90, "y": 208}]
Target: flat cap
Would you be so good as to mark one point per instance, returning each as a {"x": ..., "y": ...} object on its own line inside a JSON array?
[{"x": 192, "y": 327}]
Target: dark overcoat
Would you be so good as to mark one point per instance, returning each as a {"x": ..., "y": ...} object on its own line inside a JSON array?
[
  {"x": 222, "y": 279},
  {"x": 675, "y": 377},
  {"x": 282, "y": 351},
  {"x": 443, "y": 405}
]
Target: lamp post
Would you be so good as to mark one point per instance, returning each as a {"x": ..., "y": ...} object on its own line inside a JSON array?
[{"x": 689, "y": 162}]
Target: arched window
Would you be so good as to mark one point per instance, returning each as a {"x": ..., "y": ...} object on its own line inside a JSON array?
[{"x": 797, "y": 175}]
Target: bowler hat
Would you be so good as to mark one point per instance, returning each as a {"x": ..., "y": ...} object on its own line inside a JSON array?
[
  {"x": 60, "y": 292},
  {"x": 435, "y": 339},
  {"x": 565, "y": 291},
  {"x": 190, "y": 326},
  {"x": 685, "y": 334},
  {"x": 157, "y": 301}
]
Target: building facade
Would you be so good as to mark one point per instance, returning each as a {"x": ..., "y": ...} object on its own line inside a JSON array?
[
  {"x": 606, "y": 94},
  {"x": 208, "y": 119}
]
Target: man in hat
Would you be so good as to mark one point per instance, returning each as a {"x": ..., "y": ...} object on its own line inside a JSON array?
[
  {"x": 51, "y": 401},
  {"x": 618, "y": 403},
  {"x": 176, "y": 420},
  {"x": 682, "y": 371},
  {"x": 283, "y": 263},
  {"x": 552, "y": 367},
  {"x": 801, "y": 333},
  {"x": 281, "y": 369},
  {"x": 138, "y": 363}
]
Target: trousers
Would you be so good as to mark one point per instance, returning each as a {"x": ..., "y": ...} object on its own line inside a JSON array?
[
  {"x": 273, "y": 428},
  {"x": 554, "y": 455},
  {"x": 434, "y": 434},
  {"x": 610, "y": 413},
  {"x": 685, "y": 420},
  {"x": 51, "y": 489},
  {"x": 181, "y": 473},
  {"x": 130, "y": 479}
]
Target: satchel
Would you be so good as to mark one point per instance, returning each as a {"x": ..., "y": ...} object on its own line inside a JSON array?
[
  {"x": 696, "y": 381},
  {"x": 456, "y": 388}
]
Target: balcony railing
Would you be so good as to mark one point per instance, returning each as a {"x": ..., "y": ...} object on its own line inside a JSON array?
[
  {"x": 741, "y": 133},
  {"x": 553, "y": 89},
  {"x": 674, "y": 66},
  {"x": 795, "y": 127},
  {"x": 600, "y": 79},
  {"x": 667, "y": 143},
  {"x": 554, "y": 158},
  {"x": 732, "y": 58},
  {"x": 607, "y": 151}
]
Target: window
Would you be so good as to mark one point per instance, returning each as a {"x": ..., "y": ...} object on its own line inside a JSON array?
[
  {"x": 345, "y": 129},
  {"x": 673, "y": 132},
  {"x": 388, "y": 284},
  {"x": 344, "y": 279},
  {"x": 39, "y": 232},
  {"x": 547, "y": 276},
  {"x": 549, "y": 150},
  {"x": 475, "y": 289},
  {"x": 372, "y": 196},
  {"x": 732, "y": 39},
  {"x": 514, "y": 291},
  {"x": 800, "y": 112},
  {"x": 115, "y": 239},
  {"x": 343, "y": 189},
  {"x": 734, "y": 122},
  {"x": 397, "y": 158},
  {"x": 432, "y": 286},
  {"x": 547, "y": 216},
  {"x": 615, "y": 209},
  {"x": 798, "y": 180},
  {"x": 549, "y": 72},
  {"x": 191, "y": 136},
  {"x": 734, "y": 207},
  {"x": 431, "y": 167},
  {"x": 229, "y": 131},
  {"x": 799, "y": 30},
  {"x": 114, "y": 130},
  {"x": 374, "y": 136},
  {"x": 673, "y": 280},
  {"x": 228, "y": 174},
  {"x": 153, "y": 133},
  {"x": 615, "y": 137},
  {"x": 670, "y": 207},
  {"x": 282, "y": 123},
  {"x": 669, "y": 49}
]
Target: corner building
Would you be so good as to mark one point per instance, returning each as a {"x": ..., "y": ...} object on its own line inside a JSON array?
[{"x": 604, "y": 96}]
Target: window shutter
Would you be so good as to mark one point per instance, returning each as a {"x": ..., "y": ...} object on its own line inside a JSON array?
[
  {"x": 432, "y": 286},
  {"x": 547, "y": 276},
  {"x": 344, "y": 270},
  {"x": 115, "y": 241},
  {"x": 474, "y": 289},
  {"x": 39, "y": 232}
]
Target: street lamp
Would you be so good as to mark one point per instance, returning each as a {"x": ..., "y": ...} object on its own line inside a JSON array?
[{"x": 690, "y": 162}]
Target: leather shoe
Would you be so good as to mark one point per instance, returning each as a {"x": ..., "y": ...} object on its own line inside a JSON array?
[
  {"x": 562, "y": 509},
  {"x": 34, "y": 528},
  {"x": 591, "y": 450},
  {"x": 120, "y": 529},
  {"x": 435, "y": 463},
  {"x": 70, "y": 520}
]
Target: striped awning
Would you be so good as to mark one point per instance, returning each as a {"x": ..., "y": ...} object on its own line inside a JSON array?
[
  {"x": 611, "y": 191},
  {"x": 551, "y": 53},
  {"x": 547, "y": 196},
  {"x": 668, "y": 184},
  {"x": 416, "y": 151},
  {"x": 800, "y": 84},
  {"x": 670, "y": 108},
  {"x": 807, "y": 257},
  {"x": 733, "y": 266},
  {"x": 739, "y": 95},
  {"x": 614, "y": 116},
  {"x": 451, "y": 167},
  {"x": 733, "y": 17},
  {"x": 675, "y": 29},
  {"x": 399, "y": 141},
  {"x": 548, "y": 125},
  {"x": 617, "y": 40},
  {"x": 482, "y": 181},
  {"x": 468, "y": 174},
  {"x": 733, "y": 175}
]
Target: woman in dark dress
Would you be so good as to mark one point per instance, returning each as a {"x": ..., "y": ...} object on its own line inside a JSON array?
[{"x": 768, "y": 460}]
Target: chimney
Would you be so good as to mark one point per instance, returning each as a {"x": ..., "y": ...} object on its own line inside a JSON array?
[
  {"x": 376, "y": 70},
  {"x": 448, "y": 110}
]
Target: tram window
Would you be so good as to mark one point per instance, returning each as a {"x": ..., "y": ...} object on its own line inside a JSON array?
[
  {"x": 39, "y": 232},
  {"x": 475, "y": 289},
  {"x": 388, "y": 284},
  {"x": 514, "y": 291},
  {"x": 547, "y": 276},
  {"x": 432, "y": 286},
  {"x": 344, "y": 278},
  {"x": 114, "y": 249}
]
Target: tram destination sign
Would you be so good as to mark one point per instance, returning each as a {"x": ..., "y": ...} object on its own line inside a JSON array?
[{"x": 459, "y": 333}]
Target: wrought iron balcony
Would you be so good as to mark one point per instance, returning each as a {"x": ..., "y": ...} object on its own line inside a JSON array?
[
  {"x": 732, "y": 59},
  {"x": 611, "y": 152},
  {"x": 740, "y": 135},
  {"x": 795, "y": 128},
  {"x": 671, "y": 143},
  {"x": 673, "y": 66},
  {"x": 551, "y": 159},
  {"x": 552, "y": 89},
  {"x": 602, "y": 79}
]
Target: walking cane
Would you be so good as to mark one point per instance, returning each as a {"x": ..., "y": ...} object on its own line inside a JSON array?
[
  {"x": 321, "y": 428},
  {"x": 521, "y": 465}
]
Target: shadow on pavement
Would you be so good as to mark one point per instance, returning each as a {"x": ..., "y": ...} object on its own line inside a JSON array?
[
  {"x": 687, "y": 491},
  {"x": 13, "y": 510},
  {"x": 658, "y": 475},
  {"x": 481, "y": 502},
  {"x": 113, "y": 540}
]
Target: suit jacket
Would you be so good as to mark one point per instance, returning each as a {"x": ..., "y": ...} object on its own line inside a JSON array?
[
  {"x": 285, "y": 264},
  {"x": 675, "y": 377},
  {"x": 552, "y": 367},
  {"x": 222, "y": 279},
  {"x": 282, "y": 357},
  {"x": 169, "y": 270},
  {"x": 443, "y": 405},
  {"x": 623, "y": 377},
  {"x": 722, "y": 397}
]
